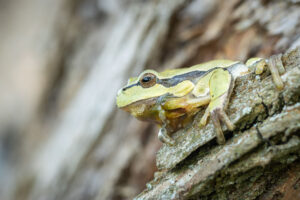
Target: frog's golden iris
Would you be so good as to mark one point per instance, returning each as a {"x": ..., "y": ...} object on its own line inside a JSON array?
[{"x": 148, "y": 80}]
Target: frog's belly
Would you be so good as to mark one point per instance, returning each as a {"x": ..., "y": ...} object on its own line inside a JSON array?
[{"x": 179, "y": 118}]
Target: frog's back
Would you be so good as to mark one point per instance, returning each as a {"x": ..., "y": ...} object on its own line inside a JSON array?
[
  {"x": 212, "y": 64},
  {"x": 200, "y": 67}
]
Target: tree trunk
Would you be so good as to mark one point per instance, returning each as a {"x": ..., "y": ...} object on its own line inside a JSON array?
[{"x": 62, "y": 137}]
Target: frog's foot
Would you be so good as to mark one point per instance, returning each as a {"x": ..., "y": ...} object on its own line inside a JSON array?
[
  {"x": 218, "y": 115},
  {"x": 274, "y": 63},
  {"x": 276, "y": 67},
  {"x": 164, "y": 137}
]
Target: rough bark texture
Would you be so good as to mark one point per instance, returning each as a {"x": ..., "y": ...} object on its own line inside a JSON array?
[{"x": 62, "y": 63}]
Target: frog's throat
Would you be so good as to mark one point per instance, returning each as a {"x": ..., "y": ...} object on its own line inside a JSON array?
[{"x": 148, "y": 102}]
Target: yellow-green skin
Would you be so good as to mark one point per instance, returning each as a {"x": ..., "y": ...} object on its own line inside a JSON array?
[
  {"x": 179, "y": 94},
  {"x": 138, "y": 93}
]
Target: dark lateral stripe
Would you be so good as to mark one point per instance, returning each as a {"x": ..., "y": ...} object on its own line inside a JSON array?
[
  {"x": 170, "y": 82},
  {"x": 129, "y": 86},
  {"x": 182, "y": 77}
]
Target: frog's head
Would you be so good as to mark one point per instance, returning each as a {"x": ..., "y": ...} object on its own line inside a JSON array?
[{"x": 141, "y": 92}]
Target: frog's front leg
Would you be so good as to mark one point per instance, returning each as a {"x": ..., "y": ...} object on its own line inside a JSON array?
[
  {"x": 220, "y": 85},
  {"x": 163, "y": 135}
]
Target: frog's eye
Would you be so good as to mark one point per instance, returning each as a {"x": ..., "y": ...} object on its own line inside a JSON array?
[{"x": 148, "y": 80}]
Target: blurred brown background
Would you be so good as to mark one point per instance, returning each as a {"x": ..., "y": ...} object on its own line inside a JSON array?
[{"x": 62, "y": 62}]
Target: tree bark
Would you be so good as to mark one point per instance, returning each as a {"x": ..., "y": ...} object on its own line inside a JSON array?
[{"x": 62, "y": 63}]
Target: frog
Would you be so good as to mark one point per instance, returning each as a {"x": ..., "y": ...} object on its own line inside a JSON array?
[{"x": 173, "y": 97}]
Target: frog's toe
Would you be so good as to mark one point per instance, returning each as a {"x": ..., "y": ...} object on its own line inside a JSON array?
[
  {"x": 165, "y": 138},
  {"x": 276, "y": 67},
  {"x": 215, "y": 117},
  {"x": 279, "y": 65},
  {"x": 226, "y": 120},
  {"x": 218, "y": 115},
  {"x": 204, "y": 118}
]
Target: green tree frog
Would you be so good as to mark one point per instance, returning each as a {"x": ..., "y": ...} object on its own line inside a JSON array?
[{"x": 171, "y": 98}]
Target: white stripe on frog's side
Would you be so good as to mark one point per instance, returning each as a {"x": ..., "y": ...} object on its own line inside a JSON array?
[{"x": 238, "y": 70}]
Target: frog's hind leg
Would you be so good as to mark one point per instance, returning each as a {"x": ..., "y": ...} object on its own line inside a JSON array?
[{"x": 221, "y": 85}]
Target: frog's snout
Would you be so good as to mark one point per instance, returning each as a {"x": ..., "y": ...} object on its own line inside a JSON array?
[{"x": 120, "y": 92}]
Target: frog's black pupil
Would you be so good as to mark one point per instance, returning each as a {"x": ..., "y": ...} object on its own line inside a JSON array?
[{"x": 146, "y": 79}]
